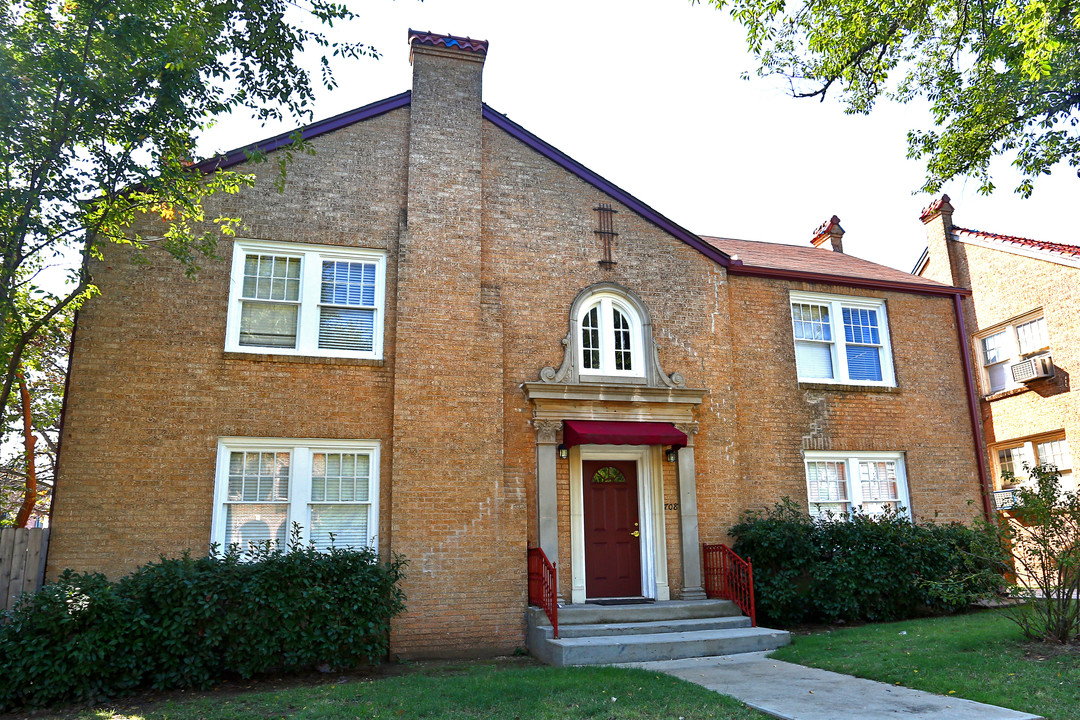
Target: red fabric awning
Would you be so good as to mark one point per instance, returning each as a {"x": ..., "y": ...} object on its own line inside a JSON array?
[{"x": 621, "y": 432}]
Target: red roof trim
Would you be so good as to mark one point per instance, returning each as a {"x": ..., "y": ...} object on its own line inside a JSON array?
[
  {"x": 1073, "y": 250},
  {"x": 828, "y": 279}
]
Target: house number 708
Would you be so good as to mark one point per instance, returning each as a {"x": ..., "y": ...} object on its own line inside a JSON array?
[{"x": 671, "y": 506}]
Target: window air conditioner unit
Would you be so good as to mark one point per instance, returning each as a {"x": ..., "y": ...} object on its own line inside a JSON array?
[
  {"x": 1033, "y": 369},
  {"x": 1004, "y": 499}
]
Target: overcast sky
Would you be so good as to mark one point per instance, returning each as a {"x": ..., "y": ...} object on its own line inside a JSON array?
[{"x": 649, "y": 95}]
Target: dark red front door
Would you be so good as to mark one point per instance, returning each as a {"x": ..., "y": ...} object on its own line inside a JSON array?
[{"x": 612, "y": 534}]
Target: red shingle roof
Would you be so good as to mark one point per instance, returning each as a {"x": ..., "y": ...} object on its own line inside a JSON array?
[
  {"x": 1052, "y": 247},
  {"x": 798, "y": 258}
]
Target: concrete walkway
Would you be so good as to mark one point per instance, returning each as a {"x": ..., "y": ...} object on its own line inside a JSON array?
[{"x": 795, "y": 692}]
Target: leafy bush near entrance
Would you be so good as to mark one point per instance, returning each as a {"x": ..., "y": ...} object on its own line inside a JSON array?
[
  {"x": 860, "y": 567},
  {"x": 187, "y": 622}
]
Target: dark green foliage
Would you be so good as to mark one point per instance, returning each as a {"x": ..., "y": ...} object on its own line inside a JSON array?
[
  {"x": 858, "y": 567},
  {"x": 186, "y": 622}
]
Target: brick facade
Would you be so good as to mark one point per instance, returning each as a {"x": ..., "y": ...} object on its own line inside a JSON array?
[
  {"x": 488, "y": 243},
  {"x": 1009, "y": 280}
]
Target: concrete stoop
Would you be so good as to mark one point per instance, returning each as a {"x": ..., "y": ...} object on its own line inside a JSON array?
[{"x": 605, "y": 634}]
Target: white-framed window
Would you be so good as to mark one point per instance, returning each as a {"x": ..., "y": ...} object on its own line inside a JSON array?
[
  {"x": 328, "y": 487},
  {"x": 841, "y": 339},
  {"x": 1053, "y": 449},
  {"x": 611, "y": 340},
  {"x": 1001, "y": 347},
  {"x": 292, "y": 299},
  {"x": 837, "y": 482}
]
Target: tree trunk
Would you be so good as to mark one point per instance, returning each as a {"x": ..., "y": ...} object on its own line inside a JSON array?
[{"x": 29, "y": 441}]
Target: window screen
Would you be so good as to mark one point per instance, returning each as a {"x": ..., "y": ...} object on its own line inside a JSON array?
[
  {"x": 813, "y": 340},
  {"x": 257, "y": 498},
  {"x": 826, "y": 486},
  {"x": 270, "y": 301}
]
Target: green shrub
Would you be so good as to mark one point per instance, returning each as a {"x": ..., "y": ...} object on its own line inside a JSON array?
[
  {"x": 861, "y": 567},
  {"x": 187, "y": 622},
  {"x": 1043, "y": 541},
  {"x": 68, "y": 642}
]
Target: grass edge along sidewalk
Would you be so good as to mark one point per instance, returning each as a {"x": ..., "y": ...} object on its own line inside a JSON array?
[
  {"x": 459, "y": 691},
  {"x": 979, "y": 656}
]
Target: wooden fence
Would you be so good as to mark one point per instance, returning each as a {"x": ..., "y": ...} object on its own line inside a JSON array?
[{"x": 22, "y": 562}]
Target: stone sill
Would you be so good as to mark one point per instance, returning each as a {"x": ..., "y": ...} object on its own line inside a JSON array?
[
  {"x": 835, "y": 387},
  {"x": 1002, "y": 394},
  {"x": 303, "y": 359}
]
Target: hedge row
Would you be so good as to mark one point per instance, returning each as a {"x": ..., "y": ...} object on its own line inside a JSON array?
[
  {"x": 187, "y": 622},
  {"x": 857, "y": 567}
]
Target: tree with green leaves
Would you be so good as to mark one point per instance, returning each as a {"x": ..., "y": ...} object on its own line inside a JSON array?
[
  {"x": 28, "y": 468},
  {"x": 101, "y": 104},
  {"x": 1002, "y": 76}
]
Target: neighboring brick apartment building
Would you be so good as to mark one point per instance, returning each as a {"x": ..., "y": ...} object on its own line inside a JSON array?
[
  {"x": 444, "y": 324},
  {"x": 1024, "y": 340}
]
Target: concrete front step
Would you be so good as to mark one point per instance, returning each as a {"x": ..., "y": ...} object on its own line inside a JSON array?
[
  {"x": 605, "y": 650},
  {"x": 667, "y": 610},
  {"x": 603, "y": 634},
  {"x": 651, "y": 627}
]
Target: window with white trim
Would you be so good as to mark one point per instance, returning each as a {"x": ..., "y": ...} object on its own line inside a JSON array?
[
  {"x": 264, "y": 485},
  {"x": 610, "y": 338},
  {"x": 837, "y": 482},
  {"x": 292, "y": 299},
  {"x": 1002, "y": 347},
  {"x": 1012, "y": 457},
  {"x": 841, "y": 339}
]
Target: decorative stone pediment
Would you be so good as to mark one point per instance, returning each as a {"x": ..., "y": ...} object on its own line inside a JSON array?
[
  {"x": 650, "y": 374},
  {"x": 649, "y": 394}
]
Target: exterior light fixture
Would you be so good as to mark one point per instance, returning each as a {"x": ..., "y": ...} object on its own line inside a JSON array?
[
  {"x": 564, "y": 452},
  {"x": 671, "y": 454}
]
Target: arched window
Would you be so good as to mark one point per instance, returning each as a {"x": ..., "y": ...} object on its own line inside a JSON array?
[{"x": 611, "y": 341}]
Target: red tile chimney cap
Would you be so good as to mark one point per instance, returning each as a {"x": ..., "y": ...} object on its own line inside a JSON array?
[
  {"x": 417, "y": 37},
  {"x": 826, "y": 230},
  {"x": 931, "y": 211}
]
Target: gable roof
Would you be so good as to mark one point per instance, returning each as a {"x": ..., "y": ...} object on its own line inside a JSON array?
[
  {"x": 755, "y": 258},
  {"x": 240, "y": 154},
  {"x": 814, "y": 264},
  {"x": 1041, "y": 249},
  {"x": 568, "y": 163}
]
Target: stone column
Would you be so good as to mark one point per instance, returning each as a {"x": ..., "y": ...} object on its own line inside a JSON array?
[
  {"x": 688, "y": 521},
  {"x": 547, "y": 438}
]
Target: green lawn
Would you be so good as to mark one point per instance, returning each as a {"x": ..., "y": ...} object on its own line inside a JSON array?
[
  {"x": 979, "y": 656},
  {"x": 468, "y": 690}
]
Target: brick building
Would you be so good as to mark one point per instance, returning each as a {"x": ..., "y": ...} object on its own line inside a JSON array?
[
  {"x": 452, "y": 340},
  {"x": 1024, "y": 340}
]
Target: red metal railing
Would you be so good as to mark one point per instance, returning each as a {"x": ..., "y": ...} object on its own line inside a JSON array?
[
  {"x": 729, "y": 577},
  {"x": 543, "y": 586}
]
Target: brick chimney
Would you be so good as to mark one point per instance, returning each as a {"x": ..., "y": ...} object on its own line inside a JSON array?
[
  {"x": 940, "y": 265},
  {"x": 447, "y": 369},
  {"x": 830, "y": 230}
]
